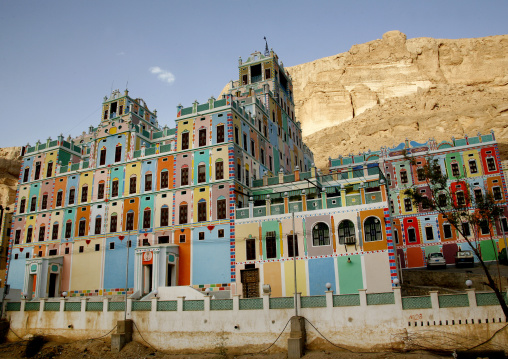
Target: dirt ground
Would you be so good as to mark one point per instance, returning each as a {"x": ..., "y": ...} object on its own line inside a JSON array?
[{"x": 135, "y": 350}]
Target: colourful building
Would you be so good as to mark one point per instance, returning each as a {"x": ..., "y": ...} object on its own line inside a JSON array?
[
  {"x": 168, "y": 196},
  {"x": 471, "y": 163}
]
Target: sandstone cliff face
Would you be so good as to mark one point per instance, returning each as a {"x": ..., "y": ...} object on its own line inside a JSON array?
[
  {"x": 381, "y": 92},
  {"x": 10, "y": 164}
]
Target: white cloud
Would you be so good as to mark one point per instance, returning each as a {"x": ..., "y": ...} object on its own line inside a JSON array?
[{"x": 163, "y": 75}]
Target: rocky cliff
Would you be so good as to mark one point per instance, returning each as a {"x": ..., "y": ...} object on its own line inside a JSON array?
[
  {"x": 10, "y": 163},
  {"x": 381, "y": 92}
]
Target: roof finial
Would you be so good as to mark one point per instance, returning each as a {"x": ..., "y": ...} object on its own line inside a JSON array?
[{"x": 267, "y": 53}]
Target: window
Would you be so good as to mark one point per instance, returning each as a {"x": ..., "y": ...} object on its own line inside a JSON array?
[
  {"x": 461, "y": 199},
  {"x": 17, "y": 236},
  {"x": 201, "y": 236},
  {"x": 148, "y": 182},
  {"x": 247, "y": 177},
  {"x": 252, "y": 148},
  {"x": 347, "y": 232},
  {"x": 466, "y": 231},
  {"x": 220, "y": 233},
  {"x": 114, "y": 188},
  {"x": 37, "y": 170},
  {"x": 59, "y": 198},
  {"x": 202, "y": 137},
  {"x": 26, "y": 174},
  {"x": 97, "y": 247},
  {"x": 164, "y": 240},
  {"x": 447, "y": 230},
  {"x": 84, "y": 193},
  {"x": 81, "y": 249},
  {"x": 496, "y": 191},
  {"x": 120, "y": 110},
  {"x": 185, "y": 141},
  {"x": 182, "y": 238},
  {"x": 49, "y": 170},
  {"x": 201, "y": 173},
  {"x": 472, "y": 166},
  {"x": 396, "y": 236},
  {"x": 320, "y": 235},
  {"x": 52, "y": 252},
  {"x": 484, "y": 227},
  {"x": 429, "y": 233},
  {"x": 102, "y": 157},
  {"x": 239, "y": 171},
  {"x": 455, "y": 170},
  {"x": 165, "y": 179},
  {"x": 270, "y": 162},
  {"x": 113, "y": 222},
  {"x": 403, "y": 176},
  {"x": 411, "y": 235},
  {"x": 54, "y": 234},
  {"x": 421, "y": 174},
  {"x": 182, "y": 213},
  {"x": 262, "y": 155},
  {"x": 250, "y": 249},
  {"x": 33, "y": 204},
  {"x": 290, "y": 246},
  {"x": 67, "y": 250},
  {"x": 105, "y": 114},
  {"x": 118, "y": 153},
  {"x": 22, "y": 205},
  {"x": 267, "y": 74},
  {"x": 81, "y": 229},
  {"x": 98, "y": 224},
  {"x": 44, "y": 203},
  {"x": 504, "y": 225},
  {"x": 184, "y": 178},
  {"x": 147, "y": 214},
  {"x": 236, "y": 135},
  {"x": 478, "y": 195},
  {"x": 129, "y": 225},
  {"x": 111, "y": 245},
  {"x": 42, "y": 232},
  {"x": 271, "y": 245},
  {"x": 491, "y": 164},
  {"x": 389, "y": 179},
  {"x": 68, "y": 229},
  {"x": 221, "y": 209},
  {"x": 72, "y": 193},
  {"x": 245, "y": 142},
  {"x": 219, "y": 170},
  {"x": 425, "y": 202},
  {"x": 442, "y": 200},
  {"x": 220, "y": 133},
  {"x": 164, "y": 216},
  {"x": 201, "y": 211},
  {"x": 408, "y": 206},
  {"x": 372, "y": 228},
  {"x": 132, "y": 185}
]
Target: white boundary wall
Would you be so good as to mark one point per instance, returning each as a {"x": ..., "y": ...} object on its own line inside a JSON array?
[{"x": 359, "y": 327}]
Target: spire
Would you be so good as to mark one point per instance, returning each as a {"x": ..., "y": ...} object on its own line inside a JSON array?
[{"x": 267, "y": 53}]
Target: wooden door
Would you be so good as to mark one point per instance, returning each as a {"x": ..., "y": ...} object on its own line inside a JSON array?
[{"x": 250, "y": 283}]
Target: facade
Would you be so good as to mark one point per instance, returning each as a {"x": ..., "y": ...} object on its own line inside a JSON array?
[
  {"x": 471, "y": 163},
  {"x": 167, "y": 196}
]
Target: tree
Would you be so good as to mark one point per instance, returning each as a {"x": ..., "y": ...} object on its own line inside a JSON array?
[{"x": 453, "y": 199}]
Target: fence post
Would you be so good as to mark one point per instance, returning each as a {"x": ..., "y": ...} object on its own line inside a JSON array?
[
  {"x": 266, "y": 302},
  {"x": 434, "y": 299},
  {"x": 471, "y": 296},
  {"x": 83, "y": 305},
  {"x": 207, "y": 303},
  {"x": 398, "y": 297},
  {"x": 363, "y": 297},
  {"x": 41, "y": 307},
  {"x": 105, "y": 305},
  {"x": 154, "y": 304},
  {"x": 129, "y": 308},
  {"x": 23, "y": 302},
  {"x": 299, "y": 302},
  {"x": 62, "y": 304},
  {"x": 179, "y": 303},
  {"x": 329, "y": 298},
  {"x": 236, "y": 302}
]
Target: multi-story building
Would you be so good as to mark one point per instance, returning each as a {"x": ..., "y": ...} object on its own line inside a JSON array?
[
  {"x": 167, "y": 196},
  {"x": 471, "y": 164}
]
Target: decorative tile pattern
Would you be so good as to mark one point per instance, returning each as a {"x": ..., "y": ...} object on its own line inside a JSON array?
[
  {"x": 190, "y": 305},
  {"x": 221, "y": 304},
  {"x": 380, "y": 298},
  {"x": 483, "y": 299},
  {"x": 250, "y": 303},
  {"x": 32, "y": 306},
  {"x": 453, "y": 300},
  {"x": 51, "y": 306},
  {"x": 416, "y": 302},
  {"x": 313, "y": 302},
  {"x": 13, "y": 306},
  {"x": 142, "y": 306},
  {"x": 94, "y": 306},
  {"x": 75, "y": 306},
  {"x": 346, "y": 300},
  {"x": 282, "y": 303},
  {"x": 116, "y": 306},
  {"x": 166, "y": 305}
]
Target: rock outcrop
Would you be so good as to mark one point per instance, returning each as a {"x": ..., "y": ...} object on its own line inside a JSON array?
[
  {"x": 10, "y": 164},
  {"x": 381, "y": 92}
]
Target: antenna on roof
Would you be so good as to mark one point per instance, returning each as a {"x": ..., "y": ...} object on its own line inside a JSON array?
[
  {"x": 267, "y": 53},
  {"x": 127, "y": 85}
]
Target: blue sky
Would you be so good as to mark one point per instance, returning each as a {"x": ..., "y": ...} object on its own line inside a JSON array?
[{"x": 58, "y": 59}]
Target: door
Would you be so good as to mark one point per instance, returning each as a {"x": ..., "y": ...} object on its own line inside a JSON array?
[
  {"x": 52, "y": 285},
  {"x": 250, "y": 283}
]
